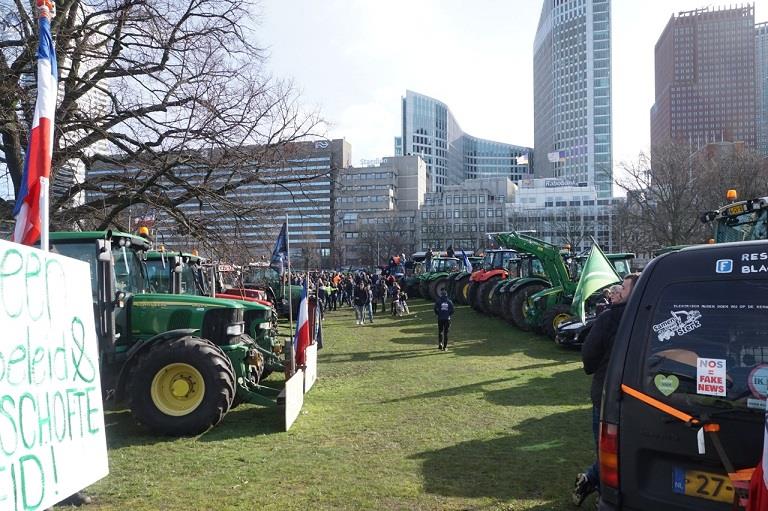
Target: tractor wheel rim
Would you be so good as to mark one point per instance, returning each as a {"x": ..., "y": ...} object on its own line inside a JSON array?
[
  {"x": 559, "y": 319},
  {"x": 465, "y": 292},
  {"x": 177, "y": 389}
]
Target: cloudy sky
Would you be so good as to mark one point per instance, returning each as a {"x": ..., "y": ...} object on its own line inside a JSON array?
[{"x": 354, "y": 59}]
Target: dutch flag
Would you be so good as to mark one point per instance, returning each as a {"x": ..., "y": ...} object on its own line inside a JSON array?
[
  {"x": 301, "y": 338},
  {"x": 37, "y": 160}
]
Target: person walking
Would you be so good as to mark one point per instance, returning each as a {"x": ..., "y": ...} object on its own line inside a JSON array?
[
  {"x": 443, "y": 311},
  {"x": 595, "y": 354},
  {"x": 359, "y": 300},
  {"x": 369, "y": 303}
]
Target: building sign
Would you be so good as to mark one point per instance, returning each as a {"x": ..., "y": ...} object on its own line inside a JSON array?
[
  {"x": 322, "y": 144},
  {"x": 558, "y": 183}
]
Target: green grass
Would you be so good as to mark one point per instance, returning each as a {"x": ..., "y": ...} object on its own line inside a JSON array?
[{"x": 500, "y": 421}]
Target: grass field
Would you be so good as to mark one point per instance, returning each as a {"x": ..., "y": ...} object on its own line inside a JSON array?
[{"x": 500, "y": 421}]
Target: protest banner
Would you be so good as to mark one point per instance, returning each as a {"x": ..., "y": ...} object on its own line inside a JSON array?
[{"x": 52, "y": 438}]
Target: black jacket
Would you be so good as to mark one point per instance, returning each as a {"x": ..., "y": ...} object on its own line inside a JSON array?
[
  {"x": 597, "y": 347},
  {"x": 361, "y": 297},
  {"x": 443, "y": 308}
]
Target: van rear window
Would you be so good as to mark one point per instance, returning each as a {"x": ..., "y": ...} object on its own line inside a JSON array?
[{"x": 708, "y": 345}]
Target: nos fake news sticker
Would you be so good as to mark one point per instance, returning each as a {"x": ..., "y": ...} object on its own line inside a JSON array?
[{"x": 710, "y": 376}]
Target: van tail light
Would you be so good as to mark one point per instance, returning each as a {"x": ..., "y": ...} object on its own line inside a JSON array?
[{"x": 609, "y": 455}]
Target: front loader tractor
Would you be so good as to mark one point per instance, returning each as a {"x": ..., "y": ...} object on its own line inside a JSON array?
[{"x": 178, "y": 361}]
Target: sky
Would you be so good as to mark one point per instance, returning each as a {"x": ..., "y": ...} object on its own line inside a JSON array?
[{"x": 354, "y": 59}]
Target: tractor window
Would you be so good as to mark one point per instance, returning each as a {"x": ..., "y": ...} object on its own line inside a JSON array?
[
  {"x": 451, "y": 265},
  {"x": 188, "y": 281},
  {"x": 85, "y": 252},
  {"x": 158, "y": 276},
  {"x": 128, "y": 270},
  {"x": 621, "y": 266},
  {"x": 507, "y": 256},
  {"x": 488, "y": 261},
  {"x": 744, "y": 227}
]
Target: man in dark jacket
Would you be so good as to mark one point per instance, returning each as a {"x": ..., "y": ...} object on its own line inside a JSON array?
[
  {"x": 444, "y": 311},
  {"x": 595, "y": 354}
]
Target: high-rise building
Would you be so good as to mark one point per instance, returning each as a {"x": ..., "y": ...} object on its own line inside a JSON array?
[
  {"x": 430, "y": 131},
  {"x": 761, "y": 79},
  {"x": 705, "y": 78},
  {"x": 295, "y": 182},
  {"x": 572, "y": 93}
]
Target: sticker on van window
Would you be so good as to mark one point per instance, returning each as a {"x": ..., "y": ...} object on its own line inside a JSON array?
[
  {"x": 710, "y": 376},
  {"x": 666, "y": 384},
  {"x": 756, "y": 404},
  {"x": 681, "y": 323},
  {"x": 758, "y": 381}
]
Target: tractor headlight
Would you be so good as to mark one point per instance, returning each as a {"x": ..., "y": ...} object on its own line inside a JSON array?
[{"x": 236, "y": 329}]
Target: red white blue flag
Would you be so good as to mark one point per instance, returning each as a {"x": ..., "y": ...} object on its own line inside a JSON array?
[
  {"x": 37, "y": 160},
  {"x": 301, "y": 338}
]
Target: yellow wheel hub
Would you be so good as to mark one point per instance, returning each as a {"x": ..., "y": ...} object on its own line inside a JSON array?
[
  {"x": 465, "y": 292},
  {"x": 177, "y": 389},
  {"x": 559, "y": 319}
]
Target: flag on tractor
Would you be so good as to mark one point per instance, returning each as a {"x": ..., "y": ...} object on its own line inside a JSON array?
[
  {"x": 280, "y": 252},
  {"x": 37, "y": 159},
  {"x": 467, "y": 264},
  {"x": 301, "y": 338},
  {"x": 598, "y": 272}
]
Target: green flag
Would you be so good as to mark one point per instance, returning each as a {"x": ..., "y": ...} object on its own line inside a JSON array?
[{"x": 598, "y": 272}]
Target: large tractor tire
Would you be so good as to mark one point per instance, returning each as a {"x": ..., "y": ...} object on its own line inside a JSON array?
[
  {"x": 552, "y": 318},
  {"x": 506, "y": 307},
  {"x": 518, "y": 303},
  {"x": 461, "y": 288},
  {"x": 437, "y": 286},
  {"x": 424, "y": 289},
  {"x": 473, "y": 295},
  {"x": 484, "y": 294},
  {"x": 495, "y": 299},
  {"x": 182, "y": 387}
]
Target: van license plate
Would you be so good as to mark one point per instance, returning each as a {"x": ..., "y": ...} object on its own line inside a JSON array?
[{"x": 705, "y": 485}]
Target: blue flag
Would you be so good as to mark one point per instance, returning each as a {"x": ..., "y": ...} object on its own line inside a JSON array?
[
  {"x": 467, "y": 264},
  {"x": 280, "y": 252}
]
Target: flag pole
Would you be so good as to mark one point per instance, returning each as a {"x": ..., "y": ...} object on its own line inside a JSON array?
[{"x": 44, "y": 214}]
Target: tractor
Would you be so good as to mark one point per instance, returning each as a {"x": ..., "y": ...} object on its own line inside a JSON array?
[
  {"x": 186, "y": 274},
  {"x": 458, "y": 284},
  {"x": 483, "y": 281},
  {"x": 542, "y": 302},
  {"x": 409, "y": 282},
  {"x": 432, "y": 283},
  {"x": 179, "y": 362},
  {"x": 260, "y": 275},
  {"x": 739, "y": 221}
]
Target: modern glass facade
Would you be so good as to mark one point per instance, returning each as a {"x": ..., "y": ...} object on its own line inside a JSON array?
[
  {"x": 761, "y": 76},
  {"x": 430, "y": 131},
  {"x": 572, "y": 93}
]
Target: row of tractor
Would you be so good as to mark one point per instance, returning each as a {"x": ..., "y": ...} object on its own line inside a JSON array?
[
  {"x": 529, "y": 282},
  {"x": 177, "y": 346},
  {"x": 532, "y": 283}
]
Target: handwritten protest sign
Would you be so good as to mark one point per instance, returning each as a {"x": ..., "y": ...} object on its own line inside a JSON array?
[{"x": 52, "y": 440}]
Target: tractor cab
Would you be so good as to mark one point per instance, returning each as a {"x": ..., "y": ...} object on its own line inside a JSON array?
[{"x": 745, "y": 220}]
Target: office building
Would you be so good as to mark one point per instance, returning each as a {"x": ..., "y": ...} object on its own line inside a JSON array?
[
  {"x": 294, "y": 180},
  {"x": 705, "y": 78},
  {"x": 761, "y": 82},
  {"x": 559, "y": 212},
  {"x": 376, "y": 210},
  {"x": 461, "y": 215},
  {"x": 572, "y": 93},
  {"x": 430, "y": 130}
]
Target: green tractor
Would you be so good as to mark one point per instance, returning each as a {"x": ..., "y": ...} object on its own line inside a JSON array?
[
  {"x": 483, "y": 282},
  {"x": 432, "y": 283},
  {"x": 261, "y": 275},
  {"x": 739, "y": 221},
  {"x": 178, "y": 361},
  {"x": 458, "y": 283},
  {"x": 187, "y": 274},
  {"x": 410, "y": 281},
  {"x": 525, "y": 266},
  {"x": 542, "y": 301}
]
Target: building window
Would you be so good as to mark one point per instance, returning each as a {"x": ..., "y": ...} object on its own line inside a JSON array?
[{"x": 481, "y": 199}]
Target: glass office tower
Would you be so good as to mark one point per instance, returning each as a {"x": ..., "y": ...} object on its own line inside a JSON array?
[{"x": 572, "y": 93}]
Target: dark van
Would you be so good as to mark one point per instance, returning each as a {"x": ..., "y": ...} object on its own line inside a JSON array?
[{"x": 685, "y": 393}]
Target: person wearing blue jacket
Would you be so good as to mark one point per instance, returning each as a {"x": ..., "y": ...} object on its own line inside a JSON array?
[{"x": 444, "y": 311}]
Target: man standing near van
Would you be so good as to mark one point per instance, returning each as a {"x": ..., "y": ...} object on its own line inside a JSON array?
[{"x": 595, "y": 354}]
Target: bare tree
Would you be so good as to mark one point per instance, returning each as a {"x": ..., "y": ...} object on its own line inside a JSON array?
[{"x": 170, "y": 93}]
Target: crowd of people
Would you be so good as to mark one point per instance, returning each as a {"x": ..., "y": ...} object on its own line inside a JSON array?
[{"x": 367, "y": 293}]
